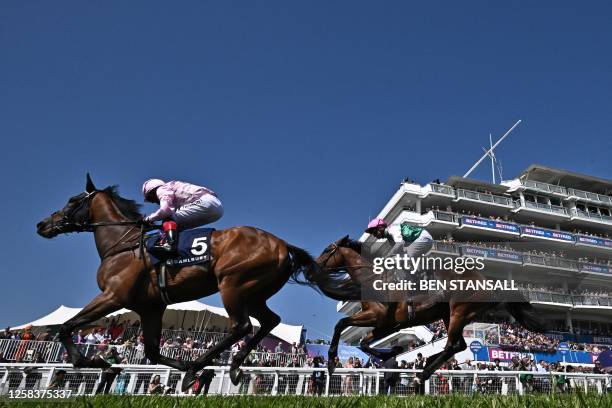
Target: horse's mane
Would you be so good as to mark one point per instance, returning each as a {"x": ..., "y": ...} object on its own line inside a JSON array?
[
  {"x": 129, "y": 208},
  {"x": 351, "y": 244}
]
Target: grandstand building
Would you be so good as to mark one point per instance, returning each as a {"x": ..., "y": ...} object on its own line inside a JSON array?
[{"x": 549, "y": 230}]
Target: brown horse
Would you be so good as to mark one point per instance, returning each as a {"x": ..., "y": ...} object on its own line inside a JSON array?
[
  {"x": 248, "y": 266},
  {"x": 386, "y": 318}
]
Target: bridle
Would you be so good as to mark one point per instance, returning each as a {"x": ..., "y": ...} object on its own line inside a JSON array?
[
  {"x": 334, "y": 249},
  {"x": 66, "y": 223}
]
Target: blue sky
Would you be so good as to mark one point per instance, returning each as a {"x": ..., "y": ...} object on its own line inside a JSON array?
[{"x": 303, "y": 116}]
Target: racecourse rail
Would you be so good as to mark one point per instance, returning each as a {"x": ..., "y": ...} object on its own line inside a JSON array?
[{"x": 27, "y": 378}]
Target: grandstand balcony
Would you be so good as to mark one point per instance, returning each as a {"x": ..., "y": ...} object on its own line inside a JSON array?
[
  {"x": 439, "y": 190},
  {"x": 541, "y": 210},
  {"x": 588, "y": 217},
  {"x": 556, "y": 300},
  {"x": 484, "y": 200},
  {"x": 586, "y": 196},
  {"x": 594, "y": 243},
  {"x": 549, "y": 262},
  {"x": 546, "y": 188},
  {"x": 404, "y": 337}
]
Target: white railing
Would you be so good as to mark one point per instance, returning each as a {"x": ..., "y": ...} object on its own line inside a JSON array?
[
  {"x": 545, "y": 187},
  {"x": 445, "y": 216},
  {"x": 485, "y": 197},
  {"x": 200, "y": 336},
  {"x": 53, "y": 352},
  {"x": 591, "y": 215},
  {"x": 588, "y": 196},
  {"x": 442, "y": 189},
  {"x": 540, "y": 206},
  {"x": 19, "y": 379}
]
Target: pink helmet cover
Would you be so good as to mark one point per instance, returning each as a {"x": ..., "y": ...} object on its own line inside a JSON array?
[{"x": 151, "y": 184}]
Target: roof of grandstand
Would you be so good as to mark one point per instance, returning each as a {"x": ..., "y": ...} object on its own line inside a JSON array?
[{"x": 566, "y": 178}]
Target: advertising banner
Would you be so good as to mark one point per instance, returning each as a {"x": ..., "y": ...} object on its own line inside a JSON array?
[
  {"x": 490, "y": 224},
  {"x": 546, "y": 234}
]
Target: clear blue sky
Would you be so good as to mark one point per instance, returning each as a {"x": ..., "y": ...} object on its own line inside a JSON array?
[{"x": 304, "y": 116}]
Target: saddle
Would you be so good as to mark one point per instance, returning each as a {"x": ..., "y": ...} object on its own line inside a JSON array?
[{"x": 193, "y": 249}]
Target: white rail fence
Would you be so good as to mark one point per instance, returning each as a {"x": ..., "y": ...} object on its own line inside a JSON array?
[
  {"x": 27, "y": 351},
  {"x": 135, "y": 379}
]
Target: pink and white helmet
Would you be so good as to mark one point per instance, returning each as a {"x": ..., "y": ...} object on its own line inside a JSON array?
[
  {"x": 150, "y": 185},
  {"x": 375, "y": 223}
]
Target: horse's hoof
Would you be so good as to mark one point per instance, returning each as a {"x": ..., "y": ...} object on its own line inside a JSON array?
[
  {"x": 235, "y": 375},
  {"x": 330, "y": 367},
  {"x": 416, "y": 382},
  {"x": 188, "y": 380}
]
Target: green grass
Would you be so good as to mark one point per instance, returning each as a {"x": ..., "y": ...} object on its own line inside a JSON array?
[{"x": 453, "y": 401}]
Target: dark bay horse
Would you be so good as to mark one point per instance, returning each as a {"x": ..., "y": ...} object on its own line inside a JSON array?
[
  {"x": 386, "y": 318},
  {"x": 248, "y": 266}
]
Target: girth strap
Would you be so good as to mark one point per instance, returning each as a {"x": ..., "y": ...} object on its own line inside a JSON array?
[{"x": 161, "y": 284}]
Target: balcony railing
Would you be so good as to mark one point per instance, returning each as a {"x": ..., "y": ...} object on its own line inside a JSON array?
[
  {"x": 588, "y": 196},
  {"x": 580, "y": 300},
  {"x": 445, "y": 247},
  {"x": 442, "y": 189},
  {"x": 445, "y": 216},
  {"x": 549, "y": 261},
  {"x": 484, "y": 197},
  {"x": 576, "y": 212},
  {"x": 543, "y": 207},
  {"x": 566, "y": 299},
  {"x": 545, "y": 187},
  {"x": 548, "y": 297}
]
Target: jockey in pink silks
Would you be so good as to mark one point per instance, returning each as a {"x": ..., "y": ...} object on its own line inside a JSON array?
[{"x": 181, "y": 206}]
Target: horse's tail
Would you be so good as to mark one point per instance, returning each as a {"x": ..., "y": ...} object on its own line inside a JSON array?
[
  {"x": 527, "y": 316},
  {"x": 301, "y": 262}
]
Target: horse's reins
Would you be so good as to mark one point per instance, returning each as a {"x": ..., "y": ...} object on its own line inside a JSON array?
[
  {"x": 89, "y": 227},
  {"x": 339, "y": 268}
]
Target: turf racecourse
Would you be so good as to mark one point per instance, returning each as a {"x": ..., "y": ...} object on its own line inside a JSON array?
[{"x": 452, "y": 401}]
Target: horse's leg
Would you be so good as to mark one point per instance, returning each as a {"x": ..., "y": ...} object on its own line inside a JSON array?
[
  {"x": 365, "y": 318},
  {"x": 267, "y": 320},
  {"x": 240, "y": 327},
  {"x": 99, "y": 307},
  {"x": 151, "y": 323},
  {"x": 454, "y": 344},
  {"x": 377, "y": 334}
]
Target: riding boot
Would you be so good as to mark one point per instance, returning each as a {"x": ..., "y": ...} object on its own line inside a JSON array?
[{"x": 167, "y": 244}]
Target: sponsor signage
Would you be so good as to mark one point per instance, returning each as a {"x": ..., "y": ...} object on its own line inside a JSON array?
[
  {"x": 595, "y": 268},
  {"x": 491, "y": 253},
  {"x": 570, "y": 356},
  {"x": 475, "y": 346},
  {"x": 546, "y": 234},
  {"x": 504, "y": 355},
  {"x": 563, "y": 348},
  {"x": 490, "y": 224},
  {"x": 594, "y": 241}
]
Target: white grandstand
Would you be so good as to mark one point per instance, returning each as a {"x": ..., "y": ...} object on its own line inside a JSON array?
[{"x": 549, "y": 230}]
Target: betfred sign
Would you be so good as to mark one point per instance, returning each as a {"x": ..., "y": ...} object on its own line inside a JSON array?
[{"x": 503, "y": 355}]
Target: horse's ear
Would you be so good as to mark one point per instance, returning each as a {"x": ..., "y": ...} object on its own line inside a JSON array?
[
  {"x": 342, "y": 240},
  {"x": 89, "y": 187}
]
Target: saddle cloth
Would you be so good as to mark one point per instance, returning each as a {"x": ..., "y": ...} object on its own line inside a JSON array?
[{"x": 193, "y": 248}]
